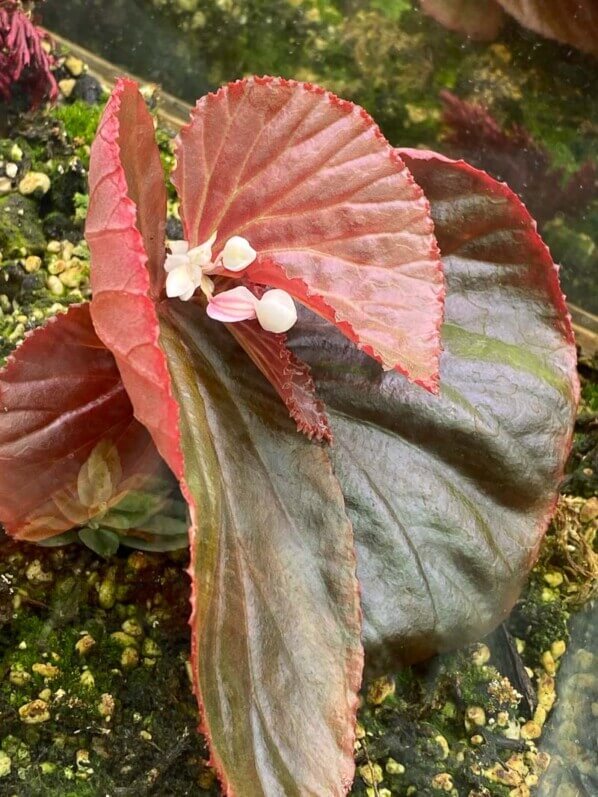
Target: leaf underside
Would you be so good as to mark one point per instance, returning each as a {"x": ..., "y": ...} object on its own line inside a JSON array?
[
  {"x": 333, "y": 213},
  {"x": 63, "y": 408},
  {"x": 450, "y": 496}
]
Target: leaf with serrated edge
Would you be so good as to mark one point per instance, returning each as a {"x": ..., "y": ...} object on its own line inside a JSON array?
[
  {"x": 287, "y": 374},
  {"x": 61, "y": 404},
  {"x": 331, "y": 209},
  {"x": 450, "y": 496}
]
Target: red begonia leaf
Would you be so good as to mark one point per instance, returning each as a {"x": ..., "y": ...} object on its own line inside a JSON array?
[
  {"x": 276, "y": 648},
  {"x": 569, "y": 21},
  {"x": 69, "y": 445},
  {"x": 479, "y": 19},
  {"x": 290, "y": 377},
  {"x": 123, "y": 279},
  {"x": 334, "y": 214},
  {"x": 450, "y": 495}
]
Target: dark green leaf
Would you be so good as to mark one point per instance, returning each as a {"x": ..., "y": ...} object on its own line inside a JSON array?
[
  {"x": 156, "y": 542},
  {"x": 276, "y": 649},
  {"x": 65, "y": 538},
  {"x": 450, "y": 496}
]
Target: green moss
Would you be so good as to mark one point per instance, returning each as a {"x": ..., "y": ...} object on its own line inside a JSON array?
[
  {"x": 47, "y": 621},
  {"x": 80, "y": 120},
  {"x": 540, "y": 618},
  {"x": 21, "y": 232}
]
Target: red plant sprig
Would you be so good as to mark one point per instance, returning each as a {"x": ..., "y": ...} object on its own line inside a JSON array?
[{"x": 23, "y": 59}]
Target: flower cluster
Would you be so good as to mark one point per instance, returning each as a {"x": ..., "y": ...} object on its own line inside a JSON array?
[{"x": 189, "y": 269}]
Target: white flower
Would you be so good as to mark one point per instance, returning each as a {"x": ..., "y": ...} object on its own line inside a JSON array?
[
  {"x": 237, "y": 254},
  {"x": 185, "y": 268},
  {"x": 202, "y": 255},
  {"x": 182, "y": 281},
  {"x": 276, "y": 311}
]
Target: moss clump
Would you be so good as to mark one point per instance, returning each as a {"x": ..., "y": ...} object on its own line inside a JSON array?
[
  {"x": 106, "y": 724},
  {"x": 20, "y": 228},
  {"x": 80, "y": 120},
  {"x": 541, "y": 617},
  {"x": 582, "y": 478}
]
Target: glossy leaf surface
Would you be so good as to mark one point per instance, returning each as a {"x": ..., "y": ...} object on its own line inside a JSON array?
[
  {"x": 450, "y": 496},
  {"x": 276, "y": 608},
  {"x": 69, "y": 445},
  {"x": 331, "y": 209}
]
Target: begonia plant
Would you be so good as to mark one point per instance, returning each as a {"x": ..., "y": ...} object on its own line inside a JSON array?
[{"x": 400, "y": 307}]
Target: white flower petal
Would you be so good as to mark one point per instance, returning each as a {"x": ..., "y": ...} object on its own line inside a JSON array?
[
  {"x": 237, "y": 304},
  {"x": 202, "y": 255},
  {"x": 175, "y": 261},
  {"x": 276, "y": 311},
  {"x": 184, "y": 297},
  {"x": 179, "y": 282},
  {"x": 178, "y": 247},
  {"x": 238, "y": 253}
]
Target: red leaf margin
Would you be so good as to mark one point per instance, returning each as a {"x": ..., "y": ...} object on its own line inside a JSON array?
[
  {"x": 266, "y": 270},
  {"x": 548, "y": 267},
  {"x": 290, "y": 377},
  {"x": 147, "y": 380},
  {"x": 112, "y": 328}
]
